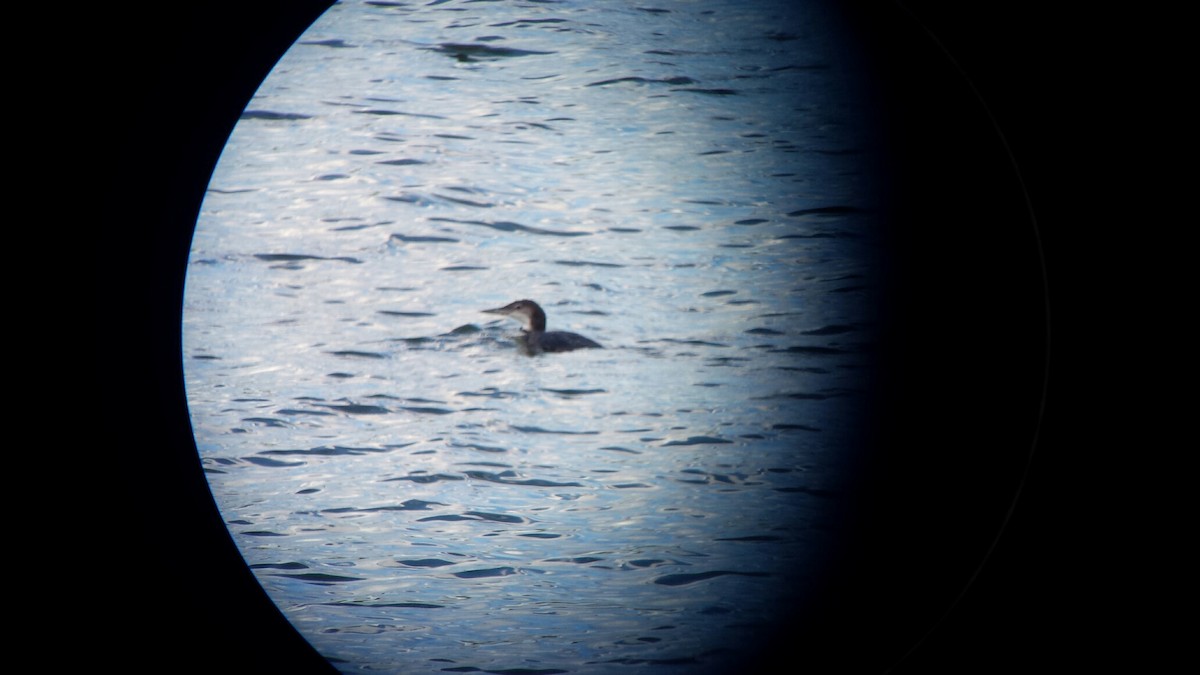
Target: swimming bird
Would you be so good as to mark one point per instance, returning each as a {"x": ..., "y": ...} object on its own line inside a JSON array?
[{"x": 534, "y": 338}]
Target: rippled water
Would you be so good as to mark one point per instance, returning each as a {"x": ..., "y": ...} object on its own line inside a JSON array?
[{"x": 684, "y": 183}]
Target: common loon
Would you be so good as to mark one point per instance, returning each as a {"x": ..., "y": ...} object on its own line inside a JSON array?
[{"x": 534, "y": 338}]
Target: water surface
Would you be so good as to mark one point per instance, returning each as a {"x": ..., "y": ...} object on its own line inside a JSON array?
[{"x": 685, "y": 183}]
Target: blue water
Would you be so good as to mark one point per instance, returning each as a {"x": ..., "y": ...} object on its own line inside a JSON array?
[{"x": 685, "y": 183}]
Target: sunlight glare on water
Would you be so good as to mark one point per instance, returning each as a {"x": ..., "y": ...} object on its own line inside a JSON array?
[{"x": 683, "y": 183}]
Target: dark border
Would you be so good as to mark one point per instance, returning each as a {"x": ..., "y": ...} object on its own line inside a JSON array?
[{"x": 958, "y": 400}]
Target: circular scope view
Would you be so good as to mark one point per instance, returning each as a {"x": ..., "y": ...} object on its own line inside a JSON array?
[{"x": 423, "y": 486}]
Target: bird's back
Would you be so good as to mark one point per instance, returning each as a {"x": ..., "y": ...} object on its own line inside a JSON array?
[{"x": 562, "y": 341}]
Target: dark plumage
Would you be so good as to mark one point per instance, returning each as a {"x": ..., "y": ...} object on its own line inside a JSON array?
[{"x": 534, "y": 338}]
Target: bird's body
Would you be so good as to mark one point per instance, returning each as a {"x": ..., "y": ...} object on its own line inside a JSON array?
[{"x": 534, "y": 338}]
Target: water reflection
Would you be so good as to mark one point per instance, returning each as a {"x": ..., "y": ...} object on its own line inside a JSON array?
[{"x": 684, "y": 183}]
